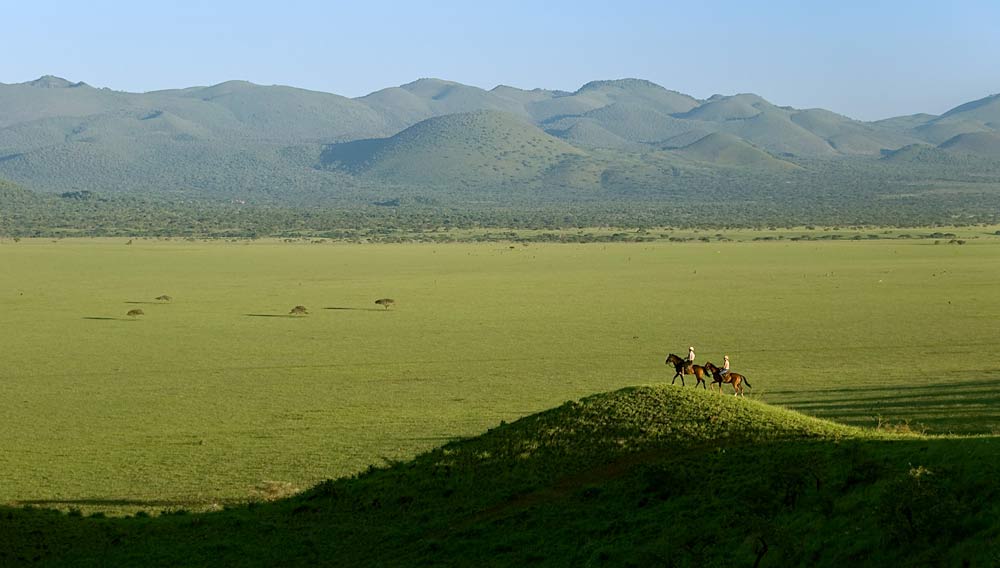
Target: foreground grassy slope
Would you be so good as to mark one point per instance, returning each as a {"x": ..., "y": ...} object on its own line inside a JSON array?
[{"x": 638, "y": 477}]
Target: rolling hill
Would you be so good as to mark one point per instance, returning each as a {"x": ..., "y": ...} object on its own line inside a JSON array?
[
  {"x": 638, "y": 477},
  {"x": 467, "y": 149},
  {"x": 728, "y": 150},
  {"x": 983, "y": 144},
  {"x": 630, "y": 139}
]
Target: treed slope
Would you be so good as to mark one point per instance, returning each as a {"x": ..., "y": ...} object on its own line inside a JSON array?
[
  {"x": 231, "y": 110},
  {"x": 940, "y": 131},
  {"x": 985, "y": 110},
  {"x": 984, "y": 144},
  {"x": 13, "y": 193},
  {"x": 630, "y": 121},
  {"x": 468, "y": 148},
  {"x": 599, "y": 94},
  {"x": 408, "y": 104},
  {"x": 643, "y": 476},
  {"x": 292, "y": 115},
  {"x": 919, "y": 153},
  {"x": 237, "y": 140},
  {"x": 728, "y": 150}
]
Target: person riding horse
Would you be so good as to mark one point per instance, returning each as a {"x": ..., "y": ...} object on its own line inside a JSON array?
[
  {"x": 733, "y": 378},
  {"x": 686, "y": 367}
]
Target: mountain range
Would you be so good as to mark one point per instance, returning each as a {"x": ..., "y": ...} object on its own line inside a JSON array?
[{"x": 606, "y": 140}]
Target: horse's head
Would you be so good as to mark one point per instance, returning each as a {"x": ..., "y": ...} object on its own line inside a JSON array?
[
  {"x": 710, "y": 367},
  {"x": 672, "y": 360}
]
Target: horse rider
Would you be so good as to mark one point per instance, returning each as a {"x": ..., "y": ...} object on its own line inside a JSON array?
[
  {"x": 725, "y": 366},
  {"x": 690, "y": 360}
]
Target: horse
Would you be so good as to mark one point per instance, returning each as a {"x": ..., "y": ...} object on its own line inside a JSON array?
[
  {"x": 681, "y": 369},
  {"x": 732, "y": 378}
]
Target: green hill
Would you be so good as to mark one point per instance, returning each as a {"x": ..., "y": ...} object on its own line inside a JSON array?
[
  {"x": 459, "y": 149},
  {"x": 919, "y": 153},
  {"x": 639, "y": 123},
  {"x": 728, "y": 150},
  {"x": 984, "y": 144},
  {"x": 940, "y": 131},
  {"x": 285, "y": 146},
  {"x": 850, "y": 136},
  {"x": 425, "y": 98},
  {"x": 903, "y": 124},
  {"x": 638, "y": 477},
  {"x": 586, "y": 133},
  {"x": 985, "y": 110}
]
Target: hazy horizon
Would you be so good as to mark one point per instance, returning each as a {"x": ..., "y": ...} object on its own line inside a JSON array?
[{"x": 864, "y": 60}]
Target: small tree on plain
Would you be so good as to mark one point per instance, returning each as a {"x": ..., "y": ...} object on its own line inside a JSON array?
[
  {"x": 135, "y": 313},
  {"x": 164, "y": 298},
  {"x": 386, "y": 302},
  {"x": 299, "y": 311}
]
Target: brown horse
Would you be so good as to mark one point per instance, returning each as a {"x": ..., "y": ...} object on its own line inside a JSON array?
[
  {"x": 732, "y": 378},
  {"x": 681, "y": 369}
]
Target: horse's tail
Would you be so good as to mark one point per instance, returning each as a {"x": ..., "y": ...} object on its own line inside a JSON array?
[{"x": 746, "y": 381}]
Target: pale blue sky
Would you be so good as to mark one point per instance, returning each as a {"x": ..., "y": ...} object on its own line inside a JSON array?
[{"x": 867, "y": 59}]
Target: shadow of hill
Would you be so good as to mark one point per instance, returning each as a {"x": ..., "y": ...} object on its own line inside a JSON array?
[{"x": 961, "y": 406}]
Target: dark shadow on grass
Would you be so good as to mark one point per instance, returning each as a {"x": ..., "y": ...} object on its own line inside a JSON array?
[
  {"x": 149, "y": 303},
  {"x": 106, "y": 319},
  {"x": 272, "y": 316},
  {"x": 961, "y": 406},
  {"x": 360, "y": 309}
]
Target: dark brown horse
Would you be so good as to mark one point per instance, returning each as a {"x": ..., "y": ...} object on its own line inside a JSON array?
[
  {"x": 732, "y": 378},
  {"x": 681, "y": 368}
]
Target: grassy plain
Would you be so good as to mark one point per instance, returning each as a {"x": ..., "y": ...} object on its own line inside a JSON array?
[{"x": 219, "y": 396}]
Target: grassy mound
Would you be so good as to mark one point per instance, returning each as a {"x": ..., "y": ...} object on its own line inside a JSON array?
[{"x": 638, "y": 477}]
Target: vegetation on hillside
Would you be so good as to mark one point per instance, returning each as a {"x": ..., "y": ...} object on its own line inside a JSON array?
[
  {"x": 608, "y": 143},
  {"x": 638, "y": 477}
]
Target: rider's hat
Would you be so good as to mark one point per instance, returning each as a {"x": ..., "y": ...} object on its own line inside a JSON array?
[{"x": 726, "y": 357}]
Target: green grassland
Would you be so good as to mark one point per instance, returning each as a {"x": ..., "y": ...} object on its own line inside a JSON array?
[{"x": 219, "y": 396}]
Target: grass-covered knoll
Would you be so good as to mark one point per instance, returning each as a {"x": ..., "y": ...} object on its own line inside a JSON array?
[{"x": 639, "y": 477}]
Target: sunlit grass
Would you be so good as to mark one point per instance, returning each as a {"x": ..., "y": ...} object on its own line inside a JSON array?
[{"x": 202, "y": 401}]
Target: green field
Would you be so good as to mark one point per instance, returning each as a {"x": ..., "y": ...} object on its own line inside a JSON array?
[{"x": 219, "y": 396}]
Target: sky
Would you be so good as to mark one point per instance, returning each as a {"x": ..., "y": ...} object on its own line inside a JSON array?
[{"x": 866, "y": 59}]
